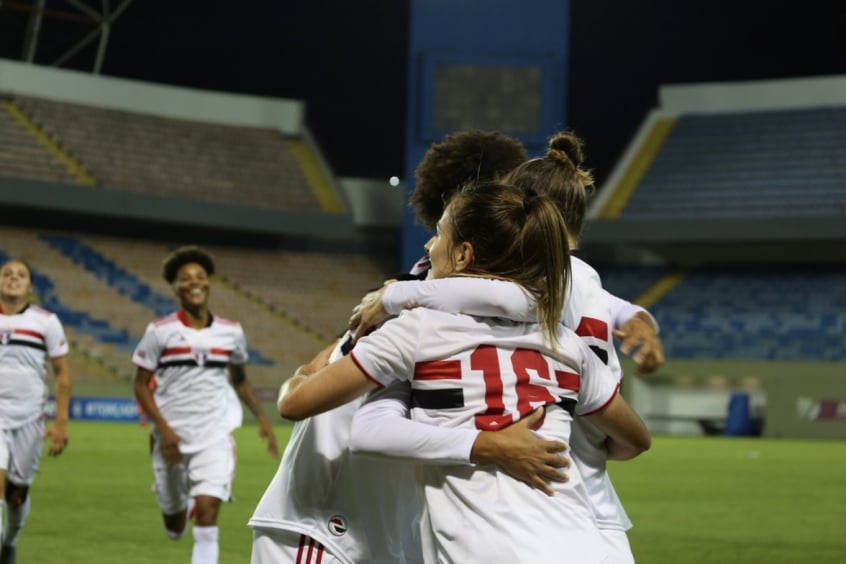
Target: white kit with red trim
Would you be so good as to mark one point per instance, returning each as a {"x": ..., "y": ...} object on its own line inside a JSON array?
[
  {"x": 192, "y": 380},
  {"x": 27, "y": 341}
]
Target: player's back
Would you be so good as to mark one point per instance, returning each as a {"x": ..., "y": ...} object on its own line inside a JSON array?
[
  {"x": 486, "y": 374},
  {"x": 362, "y": 509}
]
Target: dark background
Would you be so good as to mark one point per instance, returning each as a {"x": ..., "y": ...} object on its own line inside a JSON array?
[{"x": 347, "y": 60}]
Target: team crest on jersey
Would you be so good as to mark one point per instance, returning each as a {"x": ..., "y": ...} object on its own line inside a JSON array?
[
  {"x": 4, "y": 337},
  {"x": 337, "y": 525},
  {"x": 200, "y": 357}
]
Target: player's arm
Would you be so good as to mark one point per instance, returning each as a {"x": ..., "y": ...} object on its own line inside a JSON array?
[
  {"x": 306, "y": 394},
  {"x": 168, "y": 439},
  {"x": 58, "y": 431},
  {"x": 600, "y": 402},
  {"x": 638, "y": 333},
  {"x": 247, "y": 395},
  {"x": 628, "y": 435},
  {"x": 381, "y": 427},
  {"x": 472, "y": 296}
]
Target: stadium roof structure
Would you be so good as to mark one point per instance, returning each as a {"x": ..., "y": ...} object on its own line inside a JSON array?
[{"x": 99, "y": 18}]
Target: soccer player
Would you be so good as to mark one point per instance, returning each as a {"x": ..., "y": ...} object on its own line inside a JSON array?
[
  {"x": 474, "y": 155},
  {"x": 589, "y": 310},
  {"x": 194, "y": 356},
  {"x": 327, "y": 503},
  {"x": 486, "y": 373},
  {"x": 30, "y": 339}
]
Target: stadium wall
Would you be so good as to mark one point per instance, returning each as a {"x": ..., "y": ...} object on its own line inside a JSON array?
[{"x": 800, "y": 400}]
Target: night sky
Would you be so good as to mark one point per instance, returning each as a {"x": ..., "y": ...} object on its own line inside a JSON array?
[{"x": 347, "y": 60}]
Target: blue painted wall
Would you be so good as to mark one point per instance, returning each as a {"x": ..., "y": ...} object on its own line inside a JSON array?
[{"x": 480, "y": 32}]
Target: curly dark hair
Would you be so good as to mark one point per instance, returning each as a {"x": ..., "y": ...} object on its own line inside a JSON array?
[
  {"x": 182, "y": 256},
  {"x": 461, "y": 158}
]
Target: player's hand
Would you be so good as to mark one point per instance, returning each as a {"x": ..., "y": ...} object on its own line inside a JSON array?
[
  {"x": 518, "y": 452},
  {"x": 639, "y": 339},
  {"x": 169, "y": 445},
  {"x": 58, "y": 437},
  {"x": 369, "y": 313},
  {"x": 266, "y": 433}
]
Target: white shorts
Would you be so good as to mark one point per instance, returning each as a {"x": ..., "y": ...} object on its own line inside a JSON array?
[
  {"x": 617, "y": 546},
  {"x": 20, "y": 454},
  {"x": 276, "y": 546},
  {"x": 207, "y": 472}
]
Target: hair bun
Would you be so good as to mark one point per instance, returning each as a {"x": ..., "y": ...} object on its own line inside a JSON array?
[{"x": 566, "y": 146}]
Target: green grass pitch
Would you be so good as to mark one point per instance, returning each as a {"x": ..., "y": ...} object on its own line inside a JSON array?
[{"x": 693, "y": 501}]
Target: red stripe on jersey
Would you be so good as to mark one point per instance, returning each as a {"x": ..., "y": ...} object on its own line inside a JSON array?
[
  {"x": 568, "y": 380},
  {"x": 29, "y": 332},
  {"x": 186, "y": 350},
  {"x": 320, "y": 550},
  {"x": 310, "y": 550},
  {"x": 438, "y": 370},
  {"x": 422, "y": 265},
  {"x": 590, "y": 327},
  {"x": 300, "y": 549}
]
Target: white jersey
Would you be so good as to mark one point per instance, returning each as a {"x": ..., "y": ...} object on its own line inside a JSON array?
[
  {"x": 192, "y": 381},
  {"x": 588, "y": 310},
  {"x": 485, "y": 374},
  {"x": 27, "y": 341},
  {"x": 235, "y": 412},
  {"x": 363, "y": 510}
]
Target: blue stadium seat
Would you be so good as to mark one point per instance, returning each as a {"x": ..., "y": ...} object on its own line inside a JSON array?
[
  {"x": 754, "y": 313},
  {"x": 765, "y": 164},
  {"x": 79, "y": 321},
  {"x": 122, "y": 281}
]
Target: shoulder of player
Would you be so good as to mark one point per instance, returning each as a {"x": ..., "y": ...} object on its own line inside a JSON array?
[
  {"x": 225, "y": 322},
  {"x": 570, "y": 345},
  {"x": 38, "y": 310},
  {"x": 171, "y": 318},
  {"x": 582, "y": 271}
]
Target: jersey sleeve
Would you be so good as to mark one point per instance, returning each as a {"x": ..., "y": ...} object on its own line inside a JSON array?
[
  {"x": 239, "y": 355},
  {"x": 54, "y": 338},
  {"x": 382, "y": 427},
  {"x": 622, "y": 311},
  {"x": 597, "y": 386},
  {"x": 390, "y": 353},
  {"x": 147, "y": 351},
  {"x": 472, "y": 296},
  {"x": 586, "y": 311}
]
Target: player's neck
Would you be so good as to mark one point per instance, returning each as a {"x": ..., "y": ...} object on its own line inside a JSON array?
[
  {"x": 12, "y": 306},
  {"x": 197, "y": 318}
]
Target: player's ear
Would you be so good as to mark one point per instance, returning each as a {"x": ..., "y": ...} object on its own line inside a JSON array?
[{"x": 463, "y": 256}]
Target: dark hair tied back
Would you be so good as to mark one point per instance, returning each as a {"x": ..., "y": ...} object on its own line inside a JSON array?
[{"x": 529, "y": 198}]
